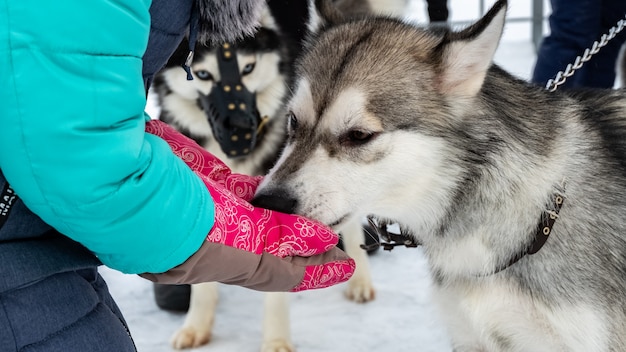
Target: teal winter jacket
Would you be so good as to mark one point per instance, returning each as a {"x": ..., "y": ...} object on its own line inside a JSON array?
[{"x": 72, "y": 140}]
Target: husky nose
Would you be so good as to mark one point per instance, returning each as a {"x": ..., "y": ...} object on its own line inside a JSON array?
[{"x": 277, "y": 201}]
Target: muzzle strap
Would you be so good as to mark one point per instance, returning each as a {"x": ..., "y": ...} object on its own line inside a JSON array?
[{"x": 231, "y": 108}]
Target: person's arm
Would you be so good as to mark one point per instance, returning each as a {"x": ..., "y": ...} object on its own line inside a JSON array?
[
  {"x": 73, "y": 147},
  {"x": 73, "y": 144}
]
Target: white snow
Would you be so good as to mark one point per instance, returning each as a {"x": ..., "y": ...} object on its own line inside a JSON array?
[{"x": 401, "y": 318}]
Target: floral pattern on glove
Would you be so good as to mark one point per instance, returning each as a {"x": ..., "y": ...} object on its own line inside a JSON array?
[
  {"x": 239, "y": 224},
  {"x": 203, "y": 162},
  {"x": 329, "y": 274}
]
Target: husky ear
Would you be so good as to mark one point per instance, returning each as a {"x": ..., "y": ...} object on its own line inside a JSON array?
[{"x": 468, "y": 54}]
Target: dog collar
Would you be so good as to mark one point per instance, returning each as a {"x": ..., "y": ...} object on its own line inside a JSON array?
[
  {"x": 390, "y": 239},
  {"x": 543, "y": 231}
]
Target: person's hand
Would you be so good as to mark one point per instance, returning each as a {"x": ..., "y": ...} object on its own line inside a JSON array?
[{"x": 250, "y": 246}]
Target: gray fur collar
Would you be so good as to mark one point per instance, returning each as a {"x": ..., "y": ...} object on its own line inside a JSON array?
[{"x": 227, "y": 20}]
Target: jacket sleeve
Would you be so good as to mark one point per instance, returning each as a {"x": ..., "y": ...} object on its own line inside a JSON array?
[{"x": 72, "y": 140}]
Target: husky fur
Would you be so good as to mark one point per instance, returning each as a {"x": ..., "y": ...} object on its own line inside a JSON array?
[
  {"x": 272, "y": 51},
  {"x": 227, "y": 20},
  {"x": 418, "y": 127}
]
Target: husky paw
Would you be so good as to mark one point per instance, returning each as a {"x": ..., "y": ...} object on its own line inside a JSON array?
[
  {"x": 189, "y": 337},
  {"x": 277, "y": 345},
  {"x": 360, "y": 291}
]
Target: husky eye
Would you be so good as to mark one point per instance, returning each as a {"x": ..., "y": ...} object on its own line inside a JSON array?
[
  {"x": 293, "y": 121},
  {"x": 204, "y": 75},
  {"x": 247, "y": 69},
  {"x": 357, "y": 137}
]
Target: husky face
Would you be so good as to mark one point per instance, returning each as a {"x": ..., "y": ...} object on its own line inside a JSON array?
[
  {"x": 265, "y": 69},
  {"x": 260, "y": 74},
  {"x": 375, "y": 96},
  {"x": 259, "y": 71},
  {"x": 337, "y": 165}
]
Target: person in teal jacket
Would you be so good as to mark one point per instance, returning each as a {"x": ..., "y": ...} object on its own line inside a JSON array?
[{"x": 88, "y": 178}]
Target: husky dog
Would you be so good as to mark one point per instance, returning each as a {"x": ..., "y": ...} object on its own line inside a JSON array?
[
  {"x": 260, "y": 76},
  {"x": 418, "y": 126}
]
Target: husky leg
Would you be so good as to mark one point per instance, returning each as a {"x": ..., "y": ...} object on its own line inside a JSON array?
[
  {"x": 360, "y": 287},
  {"x": 198, "y": 326},
  {"x": 276, "y": 327},
  {"x": 480, "y": 319},
  {"x": 463, "y": 337}
]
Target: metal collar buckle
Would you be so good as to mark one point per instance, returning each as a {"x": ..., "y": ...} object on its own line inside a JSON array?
[{"x": 391, "y": 239}]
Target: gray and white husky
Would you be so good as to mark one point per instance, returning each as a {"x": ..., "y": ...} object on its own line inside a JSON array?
[
  {"x": 263, "y": 70},
  {"x": 517, "y": 194}
]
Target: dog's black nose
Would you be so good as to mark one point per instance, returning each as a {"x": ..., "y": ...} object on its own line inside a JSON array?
[{"x": 276, "y": 201}]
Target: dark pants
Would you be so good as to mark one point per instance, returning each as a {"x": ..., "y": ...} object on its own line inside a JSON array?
[
  {"x": 574, "y": 26},
  {"x": 437, "y": 10},
  {"x": 66, "y": 312}
]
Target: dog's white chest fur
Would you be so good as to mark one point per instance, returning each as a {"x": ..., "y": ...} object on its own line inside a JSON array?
[{"x": 494, "y": 316}]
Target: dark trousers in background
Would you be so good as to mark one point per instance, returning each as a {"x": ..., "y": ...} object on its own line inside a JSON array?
[{"x": 437, "y": 10}]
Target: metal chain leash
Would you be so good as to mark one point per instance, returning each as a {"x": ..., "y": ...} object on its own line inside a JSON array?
[{"x": 560, "y": 78}]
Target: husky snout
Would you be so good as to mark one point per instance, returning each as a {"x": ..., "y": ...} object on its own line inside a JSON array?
[{"x": 277, "y": 200}]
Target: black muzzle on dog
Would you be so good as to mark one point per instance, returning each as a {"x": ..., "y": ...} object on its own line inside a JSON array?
[{"x": 231, "y": 109}]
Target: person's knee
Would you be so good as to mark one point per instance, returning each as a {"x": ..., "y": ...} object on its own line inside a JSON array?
[{"x": 63, "y": 312}]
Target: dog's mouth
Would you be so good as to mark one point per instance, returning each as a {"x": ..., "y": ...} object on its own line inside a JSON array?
[
  {"x": 231, "y": 108},
  {"x": 235, "y": 122},
  {"x": 282, "y": 201}
]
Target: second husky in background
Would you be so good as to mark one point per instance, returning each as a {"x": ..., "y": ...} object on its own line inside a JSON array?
[{"x": 234, "y": 108}]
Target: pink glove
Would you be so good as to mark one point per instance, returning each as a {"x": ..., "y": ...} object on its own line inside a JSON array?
[{"x": 311, "y": 259}]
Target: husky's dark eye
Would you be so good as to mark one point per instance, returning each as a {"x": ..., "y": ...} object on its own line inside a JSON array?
[
  {"x": 357, "y": 137},
  {"x": 204, "y": 75},
  {"x": 292, "y": 122},
  {"x": 247, "y": 69}
]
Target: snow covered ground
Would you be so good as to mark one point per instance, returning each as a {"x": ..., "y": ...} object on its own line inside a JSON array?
[{"x": 401, "y": 318}]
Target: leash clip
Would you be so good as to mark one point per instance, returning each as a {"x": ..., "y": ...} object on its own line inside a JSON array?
[{"x": 392, "y": 240}]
